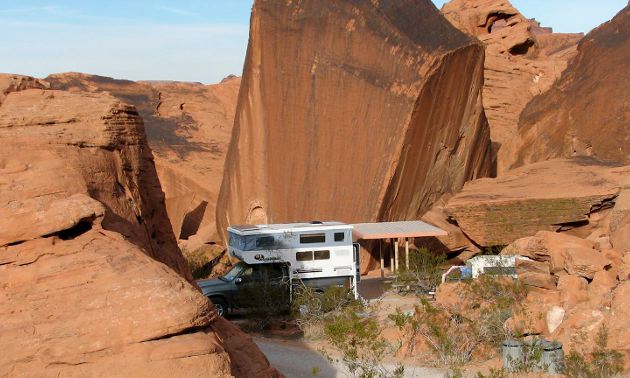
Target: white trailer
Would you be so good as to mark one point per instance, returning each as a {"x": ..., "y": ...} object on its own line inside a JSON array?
[{"x": 320, "y": 254}]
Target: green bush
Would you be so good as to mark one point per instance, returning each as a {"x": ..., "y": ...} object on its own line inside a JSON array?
[
  {"x": 600, "y": 363},
  {"x": 312, "y": 308},
  {"x": 357, "y": 336},
  {"x": 453, "y": 334},
  {"x": 348, "y": 326},
  {"x": 424, "y": 272},
  {"x": 265, "y": 302}
]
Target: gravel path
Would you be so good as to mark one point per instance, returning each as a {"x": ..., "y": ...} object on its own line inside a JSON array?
[{"x": 297, "y": 360}]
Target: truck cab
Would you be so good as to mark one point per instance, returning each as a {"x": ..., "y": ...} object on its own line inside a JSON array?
[{"x": 239, "y": 287}]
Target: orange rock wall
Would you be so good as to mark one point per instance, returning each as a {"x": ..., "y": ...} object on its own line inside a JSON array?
[
  {"x": 522, "y": 61},
  {"x": 188, "y": 127},
  {"x": 80, "y": 143},
  {"x": 356, "y": 111},
  {"x": 91, "y": 280},
  {"x": 586, "y": 112}
]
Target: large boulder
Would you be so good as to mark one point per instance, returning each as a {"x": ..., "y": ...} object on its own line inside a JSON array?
[
  {"x": 65, "y": 143},
  {"x": 523, "y": 60},
  {"x": 188, "y": 127},
  {"x": 555, "y": 195},
  {"x": 619, "y": 330},
  {"x": 356, "y": 111},
  {"x": 585, "y": 112},
  {"x": 93, "y": 283},
  {"x": 455, "y": 244}
]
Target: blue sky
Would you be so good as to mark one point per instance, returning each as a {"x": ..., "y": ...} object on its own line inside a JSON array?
[{"x": 189, "y": 40}]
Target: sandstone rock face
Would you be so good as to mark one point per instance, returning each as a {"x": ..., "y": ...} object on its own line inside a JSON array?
[
  {"x": 572, "y": 286},
  {"x": 586, "y": 112},
  {"x": 354, "y": 111},
  {"x": 91, "y": 280},
  {"x": 63, "y": 144},
  {"x": 553, "y": 195},
  {"x": 455, "y": 242},
  {"x": 188, "y": 127},
  {"x": 522, "y": 60}
]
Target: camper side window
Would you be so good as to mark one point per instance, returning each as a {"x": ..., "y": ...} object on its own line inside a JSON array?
[
  {"x": 312, "y": 238},
  {"x": 339, "y": 236},
  {"x": 265, "y": 241},
  {"x": 322, "y": 255},
  {"x": 304, "y": 256}
]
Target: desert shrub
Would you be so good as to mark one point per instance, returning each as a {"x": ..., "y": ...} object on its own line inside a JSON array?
[
  {"x": 311, "y": 308},
  {"x": 495, "y": 300},
  {"x": 265, "y": 301},
  {"x": 600, "y": 363},
  {"x": 454, "y": 372},
  {"x": 347, "y": 325},
  {"x": 198, "y": 263},
  {"x": 424, "y": 272},
  {"x": 494, "y": 373},
  {"x": 454, "y": 333},
  {"x": 451, "y": 337},
  {"x": 357, "y": 336}
]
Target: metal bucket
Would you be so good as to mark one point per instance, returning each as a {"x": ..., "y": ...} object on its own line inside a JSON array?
[{"x": 512, "y": 354}]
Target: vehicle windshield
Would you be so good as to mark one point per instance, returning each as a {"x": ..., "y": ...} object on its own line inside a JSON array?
[{"x": 234, "y": 272}]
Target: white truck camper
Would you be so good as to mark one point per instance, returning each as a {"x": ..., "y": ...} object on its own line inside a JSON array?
[{"x": 320, "y": 254}]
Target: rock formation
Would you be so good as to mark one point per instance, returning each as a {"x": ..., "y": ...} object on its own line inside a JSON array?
[
  {"x": 92, "y": 280},
  {"x": 188, "y": 127},
  {"x": 576, "y": 286},
  {"x": 353, "y": 111},
  {"x": 522, "y": 61},
  {"x": 555, "y": 195},
  {"x": 586, "y": 112}
]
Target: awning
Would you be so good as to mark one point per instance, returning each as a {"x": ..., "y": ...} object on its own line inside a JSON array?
[{"x": 393, "y": 230}]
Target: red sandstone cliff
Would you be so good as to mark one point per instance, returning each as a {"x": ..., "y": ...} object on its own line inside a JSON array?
[
  {"x": 355, "y": 111},
  {"x": 522, "y": 61},
  {"x": 586, "y": 112},
  {"x": 188, "y": 127},
  {"x": 93, "y": 283}
]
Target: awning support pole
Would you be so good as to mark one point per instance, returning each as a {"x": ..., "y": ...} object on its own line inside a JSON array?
[
  {"x": 391, "y": 258},
  {"x": 396, "y": 253},
  {"x": 380, "y": 249},
  {"x": 407, "y": 253}
]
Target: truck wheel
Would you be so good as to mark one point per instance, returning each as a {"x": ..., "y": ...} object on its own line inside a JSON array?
[{"x": 220, "y": 305}]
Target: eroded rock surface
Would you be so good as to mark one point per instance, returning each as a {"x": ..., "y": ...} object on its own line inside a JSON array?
[
  {"x": 354, "y": 111},
  {"x": 586, "y": 112},
  {"x": 576, "y": 288},
  {"x": 91, "y": 280},
  {"x": 555, "y": 195},
  {"x": 188, "y": 126},
  {"x": 523, "y": 60}
]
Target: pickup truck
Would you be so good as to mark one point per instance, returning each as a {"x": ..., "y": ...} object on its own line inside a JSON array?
[{"x": 237, "y": 287}]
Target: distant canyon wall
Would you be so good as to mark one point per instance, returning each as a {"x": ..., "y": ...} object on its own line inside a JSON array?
[
  {"x": 587, "y": 111},
  {"x": 188, "y": 127},
  {"x": 523, "y": 60}
]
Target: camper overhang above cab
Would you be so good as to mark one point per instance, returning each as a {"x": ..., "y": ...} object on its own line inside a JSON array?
[{"x": 256, "y": 244}]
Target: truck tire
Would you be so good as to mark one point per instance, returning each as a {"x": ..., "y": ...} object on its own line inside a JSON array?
[{"x": 220, "y": 305}]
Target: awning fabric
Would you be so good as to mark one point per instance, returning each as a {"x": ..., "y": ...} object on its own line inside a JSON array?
[{"x": 387, "y": 230}]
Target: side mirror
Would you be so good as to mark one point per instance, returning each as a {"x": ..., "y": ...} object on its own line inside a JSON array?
[{"x": 238, "y": 280}]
